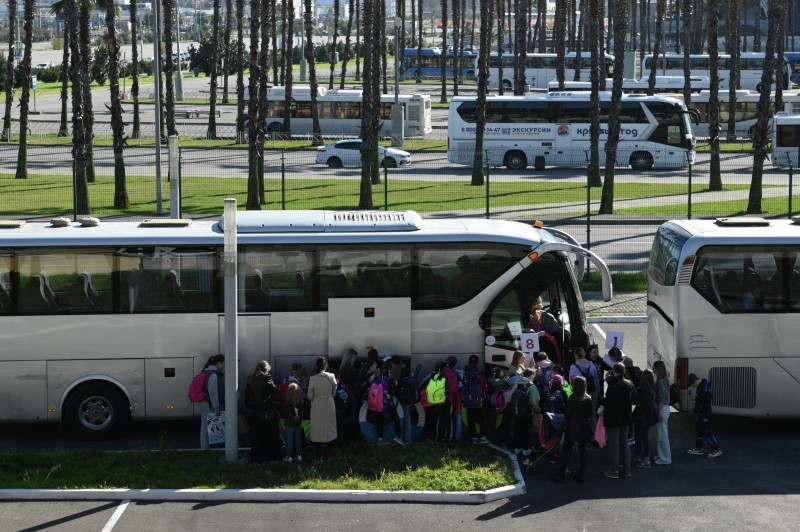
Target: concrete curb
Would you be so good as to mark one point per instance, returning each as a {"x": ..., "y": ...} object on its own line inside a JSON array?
[{"x": 275, "y": 495}]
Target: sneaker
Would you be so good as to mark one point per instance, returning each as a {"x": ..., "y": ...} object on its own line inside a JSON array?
[
  {"x": 611, "y": 474},
  {"x": 631, "y": 441},
  {"x": 399, "y": 441},
  {"x": 658, "y": 461},
  {"x": 627, "y": 475},
  {"x": 381, "y": 441},
  {"x": 714, "y": 454},
  {"x": 298, "y": 459},
  {"x": 695, "y": 451},
  {"x": 287, "y": 459},
  {"x": 642, "y": 463},
  {"x": 483, "y": 439}
]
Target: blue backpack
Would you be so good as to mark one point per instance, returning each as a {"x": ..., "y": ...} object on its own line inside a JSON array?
[{"x": 471, "y": 390}]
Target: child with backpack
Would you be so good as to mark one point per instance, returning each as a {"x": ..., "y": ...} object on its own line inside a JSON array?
[
  {"x": 702, "y": 417},
  {"x": 474, "y": 390},
  {"x": 584, "y": 367},
  {"x": 439, "y": 406},
  {"x": 407, "y": 394},
  {"x": 380, "y": 401},
  {"x": 453, "y": 396},
  {"x": 523, "y": 406},
  {"x": 556, "y": 400},
  {"x": 213, "y": 394}
]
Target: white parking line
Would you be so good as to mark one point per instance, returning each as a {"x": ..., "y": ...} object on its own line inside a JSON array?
[
  {"x": 117, "y": 514},
  {"x": 601, "y": 331}
]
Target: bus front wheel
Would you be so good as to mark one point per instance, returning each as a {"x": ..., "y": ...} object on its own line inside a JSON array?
[
  {"x": 641, "y": 160},
  {"x": 516, "y": 160},
  {"x": 97, "y": 411}
]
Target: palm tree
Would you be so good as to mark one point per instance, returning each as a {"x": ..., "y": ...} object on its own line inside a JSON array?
[
  {"x": 621, "y": 18},
  {"x": 312, "y": 74},
  {"x": 443, "y": 96},
  {"x": 84, "y": 43},
  {"x": 757, "y": 26},
  {"x": 559, "y": 38},
  {"x": 715, "y": 174},
  {"x": 78, "y": 64},
  {"x": 500, "y": 45},
  {"x": 418, "y": 76},
  {"x": 169, "y": 66},
  {"x": 541, "y": 24},
  {"x": 775, "y": 11},
  {"x": 335, "y": 39},
  {"x": 455, "y": 64},
  {"x": 63, "y": 130},
  {"x": 240, "y": 73},
  {"x": 134, "y": 14},
  {"x": 121, "y": 200},
  {"x": 12, "y": 32},
  {"x": 254, "y": 146},
  {"x": 226, "y": 54},
  {"x": 288, "y": 52},
  {"x": 734, "y": 12},
  {"x": 487, "y": 16},
  {"x": 579, "y": 45},
  {"x": 661, "y": 9},
  {"x": 371, "y": 101},
  {"x": 212, "y": 84},
  {"x": 24, "y": 102},
  {"x": 687, "y": 67},
  {"x": 263, "y": 81},
  {"x": 520, "y": 45},
  {"x": 347, "y": 45},
  {"x": 384, "y": 47},
  {"x": 593, "y": 177}
]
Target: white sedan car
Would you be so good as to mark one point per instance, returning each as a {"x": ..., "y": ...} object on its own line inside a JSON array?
[{"x": 348, "y": 153}]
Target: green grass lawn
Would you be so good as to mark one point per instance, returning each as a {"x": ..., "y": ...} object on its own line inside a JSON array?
[
  {"x": 46, "y": 195},
  {"x": 358, "y": 466}
]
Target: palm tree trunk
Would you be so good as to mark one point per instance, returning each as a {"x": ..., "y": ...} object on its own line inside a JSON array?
[
  {"x": 289, "y": 52},
  {"x": 369, "y": 115},
  {"x": 263, "y": 79},
  {"x": 687, "y": 67},
  {"x": 240, "y": 136},
  {"x": 226, "y": 61},
  {"x": 63, "y": 130},
  {"x": 24, "y": 102},
  {"x": 12, "y": 35},
  {"x": 559, "y": 41},
  {"x": 312, "y": 74},
  {"x": 254, "y": 148},
  {"x": 212, "y": 84},
  {"x": 661, "y": 9},
  {"x": 121, "y": 200},
  {"x": 78, "y": 64},
  {"x": 134, "y": 13},
  {"x": 482, "y": 75},
  {"x": 169, "y": 67},
  {"x": 520, "y": 46},
  {"x": 593, "y": 177},
  {"x": 443, "y": 95},
  {"x": 86, "y": 91},
  {"x": 335, "y": 39},
  {"x": 715, "y": 173},
  {"x": 347, "y": 44},
  {"x": 734, "y": 14}
]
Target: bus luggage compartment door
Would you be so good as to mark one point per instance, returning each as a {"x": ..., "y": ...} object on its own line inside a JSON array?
[{"x": 384, "y": 323}]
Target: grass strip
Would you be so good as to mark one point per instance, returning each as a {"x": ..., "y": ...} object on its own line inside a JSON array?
[{"x": 422, "y": 466}]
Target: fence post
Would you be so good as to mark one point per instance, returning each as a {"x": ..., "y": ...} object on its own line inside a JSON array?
[
  {"x": 283, "y": 179},
  {"x": 175, "y": 177},
  {"x": 791, "y": 178},
  {"x": 386, "y": 187},
  {"x": 486, "y": 158},
  {"x": 74, "y": 185},
  {"x": 689, "y": 202}
]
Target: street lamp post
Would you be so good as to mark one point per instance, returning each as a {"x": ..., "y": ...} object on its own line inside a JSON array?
[{"x": 397, "y": 110}]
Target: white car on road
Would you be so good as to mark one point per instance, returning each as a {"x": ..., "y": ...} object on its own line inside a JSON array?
[{"x": 347, "y": 153}]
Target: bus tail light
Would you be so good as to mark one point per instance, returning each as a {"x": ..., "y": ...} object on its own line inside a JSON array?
[{"x": 681, "y": 372}]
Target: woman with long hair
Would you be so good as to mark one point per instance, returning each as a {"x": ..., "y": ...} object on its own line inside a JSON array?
[
  {"x": 664, "y": 453},
  {"x": 259, "y": 398},
  {"x": 321, "y": 389},
  {"x": 644, "y": 417}
]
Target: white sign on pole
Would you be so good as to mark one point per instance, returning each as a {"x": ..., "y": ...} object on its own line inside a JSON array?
[
  {"x": 614, "y": 339},
  {"x": 530, "y": 342},
  {"x": 33, "y": 81}
]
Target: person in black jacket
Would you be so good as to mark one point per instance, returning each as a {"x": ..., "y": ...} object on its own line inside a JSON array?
[
  {"x": 579, "y": 429},
  {"x": 259, "y": 397},
  {"x": 617, "y": 415}
]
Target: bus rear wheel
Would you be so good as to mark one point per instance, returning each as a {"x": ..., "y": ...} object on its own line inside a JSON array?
[
  {"x": 516, "y": 160},
  {"x": 641, "y": 160},
  {"x": 97, "y": 411},
  {"x": 538, "y": 163}
]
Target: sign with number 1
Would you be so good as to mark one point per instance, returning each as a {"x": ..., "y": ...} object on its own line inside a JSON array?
[{"x": 614, "y": 339}]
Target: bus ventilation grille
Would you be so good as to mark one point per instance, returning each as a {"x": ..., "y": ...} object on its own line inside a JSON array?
[{"x": 734, "y": 387}]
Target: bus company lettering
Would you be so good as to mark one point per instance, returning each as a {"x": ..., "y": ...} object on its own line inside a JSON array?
[{"x": 624, "y": 132}]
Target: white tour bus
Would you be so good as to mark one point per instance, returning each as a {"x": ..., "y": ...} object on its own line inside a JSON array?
[
  {"x": 751, "y": 66},
  {"x": 723, "y": 302},
  {"x": 109, "y": 322},
  {"x": 553, "y": 130},
  {"x": 340, "y": 111},
  {"x": 663, "y": 85},
  {"x": 786, "y": 139},
  {"x": 540, "y": 68},
  {"x": 746, "y": 110}
]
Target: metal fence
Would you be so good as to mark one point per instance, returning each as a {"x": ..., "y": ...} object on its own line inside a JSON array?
[{"x": 430, "y": 185}]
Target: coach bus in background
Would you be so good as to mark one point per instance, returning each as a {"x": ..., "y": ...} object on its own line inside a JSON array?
[
  {"x": 340, "y": 111},
  {"x": 751, "y": 67},
  {"x": 540, "y": 68},
  {"x": 104, "y": 322},
  {"x": 723, "y": 301},
  {"x": 553, "y": 130},
  {"x": 786, "y": 140},
  {"x": 793, "y": 60},
  {"x": 663, "y": 85},
  {"x": 428, "y": 63}
]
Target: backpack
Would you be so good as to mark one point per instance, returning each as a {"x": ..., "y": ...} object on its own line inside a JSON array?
[
  {"x": 520, "y": 404},
  {"x": 590, "y": 384},
  {"x": 435, "y": 390},
  {"x": 197, "y": 388},
  {"x": 408, "y": 391},
  {"x": 555, "y": 402},
  {"x": 375, "y": 397},
  {"x": 472, "y": 391}
]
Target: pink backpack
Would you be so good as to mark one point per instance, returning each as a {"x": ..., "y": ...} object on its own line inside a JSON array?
[{"x": 375, "y": 397}]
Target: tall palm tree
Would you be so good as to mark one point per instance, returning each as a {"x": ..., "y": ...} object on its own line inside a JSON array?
[
  {"x": 240, "y": 137},
  {"x": 308, "y": 25},
  {"x": 63, "y": 129},
  {"x": 384, "y": 48},
  {"x": 168, "y": 9},
  {"x": 254, "y": 146},
  {"x": 580, "y": 44},
  {"x": 335, "y": 40},
  {"x": 288, "y": 47},
  {"x": 559, "y": 40},
  {"x": 541, "y": 24},
  {"x": 134, "y": 18},
  {"x": 443, "y": 95},
  {"x": 715, "y": 173},
  {"x": 371, "y": 101},
  {"x": 520, "y": 45},
  {"x": 226, "y": 53},
  {"x": 775, "y": 11},
  {"x": 621, "y": 18},
  {"x": 85, "y": 8},
  {"x": 78, "y": 64},
  {"x": 212, "y": 84},
  {"x": 734, "y": 14},
  {"x": 419, "y": 40},
  {"x": 347, "y": 45},
  {"x": 263, "y": 82},
  {"x": 500, "y": 8},
  {"x": 687, "y": 67},
  {"x": 661, "y": 10},
  {"x": 595, "y": 27},
  {"x": 456, "y": 66},
  {"x": 24, "y": 101},
  {"x": 273, "y": 14},
  {"x": 757, "y": 25},
  {"x": 487, "y": 16},
  {"x": 12, "y": 32},
  {"x": 121, "y": 200}
]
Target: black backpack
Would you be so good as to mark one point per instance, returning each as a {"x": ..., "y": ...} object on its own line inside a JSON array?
[
  {"x": 555, "y": 402},
  {"x": 590, "y": 385},
  {"x": 520, "y": 404},
  {"x": 408, "y": 391}
]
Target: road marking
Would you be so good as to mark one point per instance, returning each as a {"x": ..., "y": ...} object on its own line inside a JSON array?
[
  {"x": 117, "y": 514},
  {"x": 601, "y": 331}
]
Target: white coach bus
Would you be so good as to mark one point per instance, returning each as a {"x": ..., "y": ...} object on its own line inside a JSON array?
[
  {"x": 103, "y": 324},
  {"x": 786, "y": 139},
  {"x": 553, "y": 130},
  {"x": 723, "y": 302}
]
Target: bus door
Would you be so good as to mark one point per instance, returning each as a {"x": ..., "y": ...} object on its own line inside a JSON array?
[{"x": 564, "y": 145}]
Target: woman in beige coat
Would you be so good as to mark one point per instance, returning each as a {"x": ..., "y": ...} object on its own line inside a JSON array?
[{"x": 321, "y": 389}]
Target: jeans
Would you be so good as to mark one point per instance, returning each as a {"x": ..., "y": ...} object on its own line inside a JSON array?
[
  {"x": 617, "y": 441},
  {"x": 294, "y": 441},
  {"x": 664, "y": 453},
  {"x": 642, "y": 434},
  {"x": 205, "y": 409},
  {"x": 408, "y": 424},
  {"x": 702, "y": 427},
  {"x": 443, "y": 421}
]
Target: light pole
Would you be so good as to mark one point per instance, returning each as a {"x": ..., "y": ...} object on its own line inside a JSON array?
[{"x": 397, "y": 110}]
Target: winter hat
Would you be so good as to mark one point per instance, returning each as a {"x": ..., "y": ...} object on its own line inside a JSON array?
[{"x": 557, "y": 379}]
